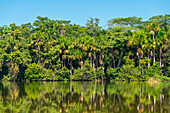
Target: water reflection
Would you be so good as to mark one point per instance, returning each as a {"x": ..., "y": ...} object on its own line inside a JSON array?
[{"x": 84, "y": 97}]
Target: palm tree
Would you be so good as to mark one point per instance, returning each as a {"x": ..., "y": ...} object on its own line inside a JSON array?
[
  {"x": 147, "y": 45},
  {"x": 71, "y": 56},
  {"x": 137, "y": 41},
  {"x": 153, "y": 28},
  {"x": 160, "y": 44},
  {"x": 15, "y": 53}
]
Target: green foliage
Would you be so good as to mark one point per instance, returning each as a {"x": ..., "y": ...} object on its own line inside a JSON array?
[
  {"x": 84, "y": 73},
  {"x": 112, "y": 73},
  {"x": 63, "y": 74},
  {"x": 98, "y": 73},
  {"x": 128, "y": 71},
  {"x": 48, "y": 75},
  {"x": 7, "y": 77},
  {"x": 164, "y": 79},
  {"x": 24, "y": 97},
  {"x": 167, "y": 70},
  {"x": 34, "y": 72},
  {"x": 56, "y": 49},
  {"x": 166, "y": 56},
  {"x": 154, "y": 70}
]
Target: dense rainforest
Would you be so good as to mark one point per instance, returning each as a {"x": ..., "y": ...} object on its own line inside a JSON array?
[{"x": 127, "y": 49}]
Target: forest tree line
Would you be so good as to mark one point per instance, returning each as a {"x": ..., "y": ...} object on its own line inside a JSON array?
[{"x": 129, "y": 49}]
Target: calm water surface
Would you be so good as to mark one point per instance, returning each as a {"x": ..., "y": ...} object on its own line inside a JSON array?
[{"x": 84, "y": 97}]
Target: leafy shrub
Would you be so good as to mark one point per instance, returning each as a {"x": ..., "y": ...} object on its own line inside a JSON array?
[
  {"x": 34, "y": 72},
  {"x": 111, "y": 73},
  {"x": 63, "y": 74},
  {"x": 155, "y": 69},
  {"x": 128, "y": 71},
  {"x": 85, "y": 73},
  {"x": 48, "y": 75},
  {"x": 98, "y": 73},
  {"x": 167, "y": 70}
]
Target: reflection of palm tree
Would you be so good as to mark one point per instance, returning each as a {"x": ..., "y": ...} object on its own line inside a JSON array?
[{"x": 86, "y": 96}]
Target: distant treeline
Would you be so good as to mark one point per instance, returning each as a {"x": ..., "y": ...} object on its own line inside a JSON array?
[{"x": 129, "y": 49}]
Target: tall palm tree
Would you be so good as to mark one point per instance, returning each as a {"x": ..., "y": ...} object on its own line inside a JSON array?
[
  {"x": 137, "y": 41},
  {"x": 154, "y": 29},
  {"x": 147, "y": 47},
  {"x": 160, "y": 44}
]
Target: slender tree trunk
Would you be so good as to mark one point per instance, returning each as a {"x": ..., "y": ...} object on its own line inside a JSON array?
[
  {"x": 154, "y": 55},
  {"x": 103, "y": 65},
  {"x": 97, "y": 61},
  {"x": 121, "y": 53},
  {"x": 81, "y": 66},
  {"x": 113, "y": 61},
  {"x": 137, "y": 53},
  {"x": 102, "y": 88},
  {"x": 103, "y": 72},
  {"x": 148, "y": 60},
  {"x": 139, "y": 61},
  {"x": 93, "y": 63},
  {"x": 160, "y": 52},
  {"x": 81, "y": 63},
  {"x": 91, "y": 100},
  {"x": 71, "y": 87},
  {"x": 71, "y": 67},
  {"x": 62, "y": 61},
  {"x": 39, "y": 54},
  {"x": 154, "y": 49},
  {"x": 113, "y": 58},
  {"x": 94, "y": 66},
  {"x": 102, "y": 59}
]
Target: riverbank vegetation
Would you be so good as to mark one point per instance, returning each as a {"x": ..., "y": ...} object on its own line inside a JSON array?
[{"x": 128, "y": 49}]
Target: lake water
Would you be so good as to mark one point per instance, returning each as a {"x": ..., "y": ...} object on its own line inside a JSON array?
[{"x": 84, "y": 97}]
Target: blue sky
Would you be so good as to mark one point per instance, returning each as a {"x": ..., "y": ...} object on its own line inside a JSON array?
[{"x": 78, "y": 11}]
